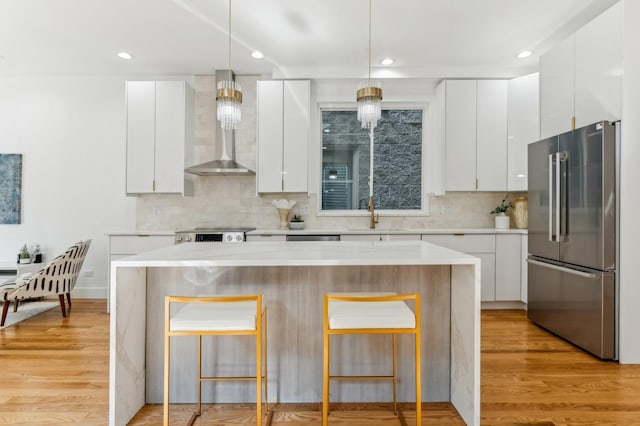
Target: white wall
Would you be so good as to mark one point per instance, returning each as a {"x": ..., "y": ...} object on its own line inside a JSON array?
[
  {"x": 629, "y": 198},
  {"x": 71, "y": 133}
]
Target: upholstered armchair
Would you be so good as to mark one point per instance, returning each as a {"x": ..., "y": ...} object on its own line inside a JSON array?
[{"x": 56, "y": 278}]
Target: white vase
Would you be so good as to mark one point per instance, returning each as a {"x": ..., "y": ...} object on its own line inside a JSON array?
[
  {"x": 502, "y": 221},
  {"x": 284, "y": 218}
]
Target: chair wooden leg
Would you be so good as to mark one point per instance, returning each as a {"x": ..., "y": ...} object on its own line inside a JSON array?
[
  {"x": 5, "y": 309},
  {"x": 259, "y": 371},
  {"x": 62, "y": 305},
  {"x": 418, "y": 382},
  {"x": 15, "y": 305},
  {"x": 69, "y": 300}
]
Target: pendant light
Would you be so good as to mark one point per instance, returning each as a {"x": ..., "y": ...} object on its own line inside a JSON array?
[
  {"x": 369, "y": 95},
  {"x": 229, "y": 96}
]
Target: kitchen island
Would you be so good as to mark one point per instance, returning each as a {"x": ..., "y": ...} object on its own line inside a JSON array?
[{"x": 293, "y": 277}]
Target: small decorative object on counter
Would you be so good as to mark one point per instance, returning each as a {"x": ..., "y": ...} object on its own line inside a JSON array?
[
  {"x": 283, "y": 207},
  {"x": 502, "y": 220},
  {"x": 37, "y": 254},
  {"x": 521, "y": 212},
  {"x": 24, "y": 256},
  {"x": 296, "y": 222}
]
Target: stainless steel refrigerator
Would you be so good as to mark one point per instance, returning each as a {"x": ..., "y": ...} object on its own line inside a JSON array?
[{"x": 573, "y": 238}]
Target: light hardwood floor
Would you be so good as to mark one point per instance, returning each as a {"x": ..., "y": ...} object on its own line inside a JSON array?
[{"x": 54, "y": 371}]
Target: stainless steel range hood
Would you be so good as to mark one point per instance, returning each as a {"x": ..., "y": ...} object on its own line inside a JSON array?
[{"x": 226, "y": 165}]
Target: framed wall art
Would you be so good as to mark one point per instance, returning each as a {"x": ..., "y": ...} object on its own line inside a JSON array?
[{"x": 10, "y": 188}]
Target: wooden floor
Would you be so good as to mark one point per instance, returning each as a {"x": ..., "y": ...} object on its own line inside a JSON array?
[{"x": 54, "y": 371}]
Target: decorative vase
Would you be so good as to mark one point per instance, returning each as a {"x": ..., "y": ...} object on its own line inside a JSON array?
[
  {"x": 25, "y": 260},
  {"x": 284, "y": 218},
  {"x": 521, "y": 213},
  {"x": 502, "y": 221}
]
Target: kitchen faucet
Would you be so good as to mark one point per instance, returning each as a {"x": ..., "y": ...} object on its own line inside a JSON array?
[{"x": 373, "y": 219}]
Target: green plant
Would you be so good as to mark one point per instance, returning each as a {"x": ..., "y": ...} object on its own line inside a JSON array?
[
  {"x": 296, "y": 218},
  {"x": 24, "y": 252},
  {"x": 503, "y": 207}
]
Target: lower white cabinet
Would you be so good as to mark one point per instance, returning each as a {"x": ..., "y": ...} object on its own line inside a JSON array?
[
  {"x": 127, "y": 245},
  {"x": 266, "y": 238},
  {"x": 479, "y": 245},
  {"x": 508, "y": 266},
  {"x": 379, "y": 237},
  {"x": 524, "y": 252},
  {"x": 501, "y": 260}
]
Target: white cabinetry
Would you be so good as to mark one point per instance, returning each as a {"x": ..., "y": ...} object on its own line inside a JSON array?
[
  {"x": 481, "y": 246},
  {"x": 523, "y": 127},
  {"x": 501, "y": 261},
  {"x": 283, "y": 135},
  {"x": 598, "y": 67},
  {"x": 379, "y": 237},
  {"x": 475, "y": 135},
  {"x": 266, "y": 238},
  {"x": 581, "y": 78},
  {"x": 130, "y": 244},
  {"x": 524, "y": 252},
  {"x": 508, "y": 264},
  {"x": 159, "y": 137}
]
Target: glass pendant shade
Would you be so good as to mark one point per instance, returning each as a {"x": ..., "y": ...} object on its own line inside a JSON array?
[
  {"x": 229, "y": 100},
  {"x": 369, "y": 101}
]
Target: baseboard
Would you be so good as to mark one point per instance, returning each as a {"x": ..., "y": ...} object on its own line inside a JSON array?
[
  {"x": 503, "y": 305},
  {"x": 90, "y": 293}
]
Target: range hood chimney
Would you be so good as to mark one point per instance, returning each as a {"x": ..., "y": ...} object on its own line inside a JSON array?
[{"x": 226, "y": 165}]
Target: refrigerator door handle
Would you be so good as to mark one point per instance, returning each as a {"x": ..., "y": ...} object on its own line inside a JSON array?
[
  {"x": 550, "y": 210},
  {"x": 563, "y": 269},
  {"x": 558, "y": 175}
]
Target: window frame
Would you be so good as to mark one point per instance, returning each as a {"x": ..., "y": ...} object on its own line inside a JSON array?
[{"x": 350, "y": 106}]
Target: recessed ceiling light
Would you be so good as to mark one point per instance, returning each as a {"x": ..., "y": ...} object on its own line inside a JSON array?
[
  {"x": 387, "y": 61},
  {"x": 257, "y": 54},
  {"x": 125, "y": 55},
  {"x": 524, "y": 54}
]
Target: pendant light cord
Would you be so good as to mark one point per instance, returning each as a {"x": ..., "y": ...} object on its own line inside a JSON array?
[
  {"x": 369, "y": 42},
  {"x": 229, "y": 63}
]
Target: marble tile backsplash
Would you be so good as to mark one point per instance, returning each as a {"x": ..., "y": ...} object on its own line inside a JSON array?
[{"x": 227, "y": 201}]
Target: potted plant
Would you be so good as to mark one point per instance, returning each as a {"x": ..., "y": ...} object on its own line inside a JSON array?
[
  {"x": 24, "y": 256},
  {"x": 296, "y": 222},
  {"x": 501, "y": 219}
]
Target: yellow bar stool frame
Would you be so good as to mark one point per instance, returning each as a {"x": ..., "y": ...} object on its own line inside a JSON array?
[
  {"x": 364, "y": 329},
  {"x": 258, "y": 330}
]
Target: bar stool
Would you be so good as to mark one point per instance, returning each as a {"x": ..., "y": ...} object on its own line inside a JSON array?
[
  {"x": 218, "y": 316},
  {"x": 371, "y": 313}
]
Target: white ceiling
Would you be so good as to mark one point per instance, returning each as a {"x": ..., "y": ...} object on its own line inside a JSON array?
[{"x": 299, "y": 38}]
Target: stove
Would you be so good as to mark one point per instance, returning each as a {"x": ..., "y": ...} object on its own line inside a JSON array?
[{"x": 219, "y": 234}]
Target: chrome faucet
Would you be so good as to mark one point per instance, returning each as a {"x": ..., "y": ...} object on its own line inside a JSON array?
[{"x": 373, "y": 219}]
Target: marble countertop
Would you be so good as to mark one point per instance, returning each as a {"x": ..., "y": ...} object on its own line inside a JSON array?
[
  {"x": 316, "y": 253},
  {"x": 382, "y": 230}
]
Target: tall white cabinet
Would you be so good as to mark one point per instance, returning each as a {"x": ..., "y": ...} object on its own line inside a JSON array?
[
  {"x": 522, "y": 127},
  {"x": 475, "y": 135},
  {"x": 581, "y": 78},
  {"x": 283, "y": 135},
  {"x": 159, "y": 137}
]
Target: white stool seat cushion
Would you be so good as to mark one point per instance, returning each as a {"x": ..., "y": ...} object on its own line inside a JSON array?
[
  {"x": 229, "y": 316},
  {"x": 362, "y": 315}
]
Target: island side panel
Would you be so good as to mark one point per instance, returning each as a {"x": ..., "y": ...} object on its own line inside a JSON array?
[
  {"x": 293, "y": 296},
  {"x": 465, "y": 341},
  {"x": 127, "y": 344}
]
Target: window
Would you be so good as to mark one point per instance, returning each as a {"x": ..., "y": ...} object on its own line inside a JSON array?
[{"x": 397, "y": 179}]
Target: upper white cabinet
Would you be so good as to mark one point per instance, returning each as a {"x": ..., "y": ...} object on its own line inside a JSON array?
[
  {"x": 159, "y": 137},
  {"x": 475, "y": 135},
  {"x": 283, "y": 135},
  {"x": 598, "y": 67},
  {"x": 523, "y": 127},
  {"x": 581, "y": 78}
]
